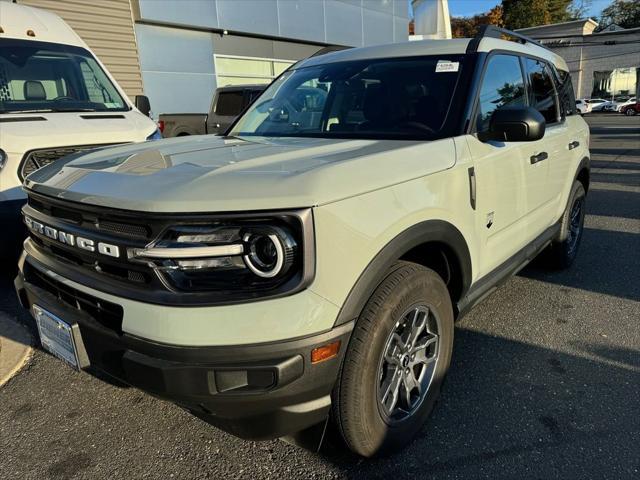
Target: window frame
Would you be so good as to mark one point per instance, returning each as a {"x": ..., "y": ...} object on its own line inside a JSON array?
[{"x": 472, "y": 128}]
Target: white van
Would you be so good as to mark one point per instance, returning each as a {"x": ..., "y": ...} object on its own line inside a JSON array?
[{"x": 56, "y": 98}]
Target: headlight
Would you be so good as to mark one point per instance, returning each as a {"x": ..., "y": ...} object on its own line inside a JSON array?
[
  {"x": 156, "y": 135},
  {"x": 238, "y": 258},
  {"x": 269, "y": 252}
]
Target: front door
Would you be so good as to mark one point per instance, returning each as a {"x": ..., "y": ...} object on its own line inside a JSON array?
[{"x": 501, "y": 169}]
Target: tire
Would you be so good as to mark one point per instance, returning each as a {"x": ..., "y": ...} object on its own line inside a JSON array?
[
  {"x": 630, "y": 112},
  {"x": 358, "y": 414},
  {"x": 564, "y": 248}
]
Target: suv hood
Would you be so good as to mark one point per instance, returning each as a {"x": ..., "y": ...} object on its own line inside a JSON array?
[{"x": 216, "y": 174}]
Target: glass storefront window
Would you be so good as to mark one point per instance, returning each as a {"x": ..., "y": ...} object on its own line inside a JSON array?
[
  {"x": 232, "y": 70},
  {"x": 618, "y": 84}
]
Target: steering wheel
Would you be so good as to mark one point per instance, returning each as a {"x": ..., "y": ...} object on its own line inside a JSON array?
[
  {"x": 419, "y": 126},
  {"x": 63, "y": 97}
]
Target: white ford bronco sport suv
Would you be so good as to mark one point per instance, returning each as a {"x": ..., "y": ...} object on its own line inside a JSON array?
[{"x": 309, "y": 264}]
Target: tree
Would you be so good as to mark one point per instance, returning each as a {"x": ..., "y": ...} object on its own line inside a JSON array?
[
  {"x": 625, "y": 13},
  {"x": 531, "y": 13},
  {"x": 464, "y": 27}
]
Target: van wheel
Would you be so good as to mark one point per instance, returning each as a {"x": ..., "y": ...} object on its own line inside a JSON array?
[
  {"x": 397, "y": 358},
  {"x": 564, "y": 248}
]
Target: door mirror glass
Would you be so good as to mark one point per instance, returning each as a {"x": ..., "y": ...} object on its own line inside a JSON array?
[
  {"x": 516, "y": 124},
  {"x": 142, "y": 104}
]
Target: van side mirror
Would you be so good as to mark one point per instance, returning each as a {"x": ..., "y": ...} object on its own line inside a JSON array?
[
  {"x": 142, "y": 104},
  {"x": 516, "y": 124}
]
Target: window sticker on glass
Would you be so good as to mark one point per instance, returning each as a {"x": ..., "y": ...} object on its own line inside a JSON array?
[{"x": 447, "y": 66}]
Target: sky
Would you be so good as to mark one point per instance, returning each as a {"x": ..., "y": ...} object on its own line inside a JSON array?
[{"x": 466, "y": 8}]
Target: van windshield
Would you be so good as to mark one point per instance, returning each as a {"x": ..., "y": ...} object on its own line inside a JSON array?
[
  {"x": 376, "y": 98},
  {"x": 51, "y": 77}
]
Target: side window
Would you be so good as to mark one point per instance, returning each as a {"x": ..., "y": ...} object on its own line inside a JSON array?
[
  {"x": 502, "y": 86},
  {"x": 565, "y": 92},
  {"x": 541, "y": 91}
]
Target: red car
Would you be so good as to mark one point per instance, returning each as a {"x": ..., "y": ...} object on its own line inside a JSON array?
[{"x": 633, "y": 109}]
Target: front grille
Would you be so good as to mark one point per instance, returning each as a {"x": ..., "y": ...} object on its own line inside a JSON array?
[
  {"x": 107, "y": 314},
  {"x": 124, "y": 231},
  {"x": 36, "y": 159}
]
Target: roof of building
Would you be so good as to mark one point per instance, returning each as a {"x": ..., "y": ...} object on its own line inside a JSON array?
[{"x": 560, "y": 24}]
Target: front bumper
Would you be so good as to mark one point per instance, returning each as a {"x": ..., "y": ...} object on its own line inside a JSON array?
[{"x": 258, "y": 392}]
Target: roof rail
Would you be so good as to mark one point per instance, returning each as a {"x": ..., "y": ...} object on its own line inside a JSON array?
[{"x": 496, "y": 32}]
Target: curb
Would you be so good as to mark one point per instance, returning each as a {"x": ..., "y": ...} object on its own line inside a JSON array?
[{"x": 15, "y": 348}]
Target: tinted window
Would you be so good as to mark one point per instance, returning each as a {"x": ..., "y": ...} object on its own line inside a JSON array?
[
  {"x": 503, "y": 85},
  {"x": 229, "y": 103},
  {"x": 565, "y": 92},
  {"x": 374, "y": 98},
  {"x": 541, "y": 92}
]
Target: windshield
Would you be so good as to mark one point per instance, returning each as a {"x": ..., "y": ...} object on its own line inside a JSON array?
[
  {"x": 39, "y": 76},
  {"x": 377, "y": 98}
]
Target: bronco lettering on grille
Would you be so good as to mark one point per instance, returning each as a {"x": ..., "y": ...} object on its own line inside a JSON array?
[{"x": 72, "y": 240}]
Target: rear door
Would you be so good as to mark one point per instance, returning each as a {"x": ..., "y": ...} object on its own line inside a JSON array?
[{"x": 542, "y": 189}]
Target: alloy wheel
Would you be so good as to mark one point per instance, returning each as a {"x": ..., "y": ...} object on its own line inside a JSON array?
[
  {"x": 575, "y": 224},
  {"x": 408, "y": 363}
]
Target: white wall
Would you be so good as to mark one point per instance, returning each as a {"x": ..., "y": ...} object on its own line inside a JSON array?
[
  {"x": 177, "y": 64},
  {"x": 178, "y": 70},
  {"x": 346, "y": 22}
]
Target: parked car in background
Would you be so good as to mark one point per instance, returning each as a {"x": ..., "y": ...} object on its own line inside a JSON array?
[
  {"x": 620, "y": 106},
  {"x": 597, "y": 104},
  {"x": 56, "y": 99},
  {"x": 228, "y": 102},
  {"x": 582, "y": 105},
  {"x": 630, "y": 110}
]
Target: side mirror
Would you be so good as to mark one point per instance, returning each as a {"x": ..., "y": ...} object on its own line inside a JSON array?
[
  {"x": 521, "y": 124},
  {"x": 142, "y": 104}
]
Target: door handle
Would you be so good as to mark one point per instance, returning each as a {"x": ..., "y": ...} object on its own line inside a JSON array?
[
  {"x": 539, "y": 157},
  {"x": 574, "y": 144}
]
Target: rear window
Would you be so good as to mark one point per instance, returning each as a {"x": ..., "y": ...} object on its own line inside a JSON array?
[
  {"x": 229, "y": 103},
  {"x": 542, "y": 95}
]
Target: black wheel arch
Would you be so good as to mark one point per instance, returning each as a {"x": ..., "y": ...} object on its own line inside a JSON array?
[
  {"x": 428, "y": 232},
  {"x": 583, "y": 173}
]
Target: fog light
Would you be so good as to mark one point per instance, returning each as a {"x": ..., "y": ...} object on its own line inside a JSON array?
[{"x": 325, "y": 352}]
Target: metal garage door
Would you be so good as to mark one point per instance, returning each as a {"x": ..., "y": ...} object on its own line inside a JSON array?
[{"x": 107, "y": 27}]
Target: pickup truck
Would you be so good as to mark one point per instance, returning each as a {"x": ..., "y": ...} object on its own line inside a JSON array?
[{"x": 228, "y": 102}]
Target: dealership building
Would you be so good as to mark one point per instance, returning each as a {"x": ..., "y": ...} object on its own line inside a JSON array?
[
  {"x": 603, "y": 64},
  {"x": 178, "y": 51}
]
